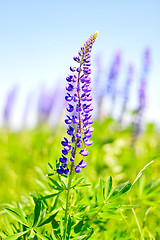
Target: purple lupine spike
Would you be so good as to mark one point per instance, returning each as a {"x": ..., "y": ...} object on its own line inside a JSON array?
[
  {"x": 79, "y": 106},
  {"x": 45, "y": 104},
  {"x": 126, "y": 90},
  {"x": 10, "y": 100},
  {"x": 113, "y": 73},
  {"x": 112, "y": 79},
  {"x": 142, "y": 90}
]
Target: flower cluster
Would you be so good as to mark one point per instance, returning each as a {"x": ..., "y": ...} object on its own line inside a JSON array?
[{"x": 79, "y": 108}]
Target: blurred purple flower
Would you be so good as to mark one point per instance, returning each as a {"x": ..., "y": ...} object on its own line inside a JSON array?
[
  {"x": 9, "y": 104},
  {"x": 142, "y": 90},
  {"x": 126, "y": 90},
  {"x": 113, "y": 74}
]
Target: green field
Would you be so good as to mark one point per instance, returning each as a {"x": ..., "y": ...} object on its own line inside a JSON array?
[{"x": 24, "y": 158}]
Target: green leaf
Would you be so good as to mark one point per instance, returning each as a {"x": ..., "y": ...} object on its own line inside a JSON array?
[
  {"x": 48, "y": 220},
  {"x": 119, "y": 190},
  {"x": 111, "y": 205},
  {"x": 77, "y": 182},
  {"x": 84, "y": 185},
  {"x": 100, "y": 193},
  {"x": 7, "y": 224},
  {"x": 140, "y": 173},
  {"x": 110, "y": 214},
  {"x": 58, "y": 186},
  {"x": 61, "y": 227},
  {"x": 55, "y": 224},
  {"x": 37, "y": 211},
  {"x": 78, "y": 226},
  {"x": 69, "y": 226},
  {"x": 30, "y": 219},
  {"x": 50, "y": 174},
  {"x": 108, "y": 186},
  {"x": 51, "y": 195},
  {"x": 50, "y": 165},
  {"x": 15, "y": 236},
  {"x": 22, "y": 214},
  {"x": 15, "y": 216}
]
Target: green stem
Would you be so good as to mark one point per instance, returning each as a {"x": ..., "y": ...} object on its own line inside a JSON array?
[{"x": 67, "y": 202}]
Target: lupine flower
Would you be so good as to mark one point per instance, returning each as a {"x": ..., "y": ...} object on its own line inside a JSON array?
[
  {"x": 112, "y": 79},
  {"x": 113, "y": 74},
  {"x": 79, "y": 119},
  {"x": 126, "y": 90},
  {"x": 9, "y": 104},
  {"x": 45, "y": 105},
  {"x": 142, "y": 90},
  {"x": 99, "y": 89}
]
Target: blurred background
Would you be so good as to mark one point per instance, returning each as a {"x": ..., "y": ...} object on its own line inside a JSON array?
[{"x": 38, "y": 40}]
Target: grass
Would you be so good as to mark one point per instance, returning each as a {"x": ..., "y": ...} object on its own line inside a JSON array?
[{"x": 23, "y": 166}]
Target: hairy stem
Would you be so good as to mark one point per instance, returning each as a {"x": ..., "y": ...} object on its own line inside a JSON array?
[{"x": 67, "y": 202}]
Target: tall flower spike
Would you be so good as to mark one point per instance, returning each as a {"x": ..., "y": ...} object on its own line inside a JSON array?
[
  {"x": 142, "y": 90},
  {"x": 79, "y": 108}
]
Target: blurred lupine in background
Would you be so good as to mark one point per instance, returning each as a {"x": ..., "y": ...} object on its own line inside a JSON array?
[
  {"x": 112, "y": 79},
  {"x": 45, "y": 104},
  {"x": 50, "y": 105},
  {"x": 9, "y": 105},
  {"x": 126, "y": 91},
  {"x": 51, "y": 102},
  {"x": 98, "y": 86},
  {"x": 27, "y": 107},
  {"x": 142, "y": 91}
]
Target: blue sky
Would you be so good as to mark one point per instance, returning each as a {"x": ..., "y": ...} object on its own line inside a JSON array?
[{"x": 38, "y": 40}]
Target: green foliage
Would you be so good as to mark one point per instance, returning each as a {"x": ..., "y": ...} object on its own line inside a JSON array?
[{"x": 100, "y": 207}]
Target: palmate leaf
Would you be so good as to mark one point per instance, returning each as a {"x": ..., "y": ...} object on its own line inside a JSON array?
[
  {"x": 15, "y": 216},
  {"x": 15, "y": 236}
]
